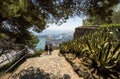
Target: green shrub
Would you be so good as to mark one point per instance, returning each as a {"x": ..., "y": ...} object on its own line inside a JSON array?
[
  {"x": 100, "y": 51},
  {"x": 110, "y": 25}
]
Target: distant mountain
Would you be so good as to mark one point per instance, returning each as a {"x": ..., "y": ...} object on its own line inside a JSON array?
[
  {"x": 55, "y": 32},
  {"x": 51, "y": 32}
]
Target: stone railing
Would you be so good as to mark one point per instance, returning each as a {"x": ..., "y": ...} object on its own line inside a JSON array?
[{"x": 81, "y": 30}]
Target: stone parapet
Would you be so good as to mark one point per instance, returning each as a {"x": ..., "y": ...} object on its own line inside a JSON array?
[{"x": 81, "y": 30}]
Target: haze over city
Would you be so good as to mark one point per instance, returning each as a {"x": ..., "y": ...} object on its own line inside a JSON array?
[{"x": 68, "y": 26}]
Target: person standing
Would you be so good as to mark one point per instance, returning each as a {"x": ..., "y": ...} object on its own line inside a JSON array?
[
  {"x": 46, "y": 49},
  {"x": 50, "y": 49}
]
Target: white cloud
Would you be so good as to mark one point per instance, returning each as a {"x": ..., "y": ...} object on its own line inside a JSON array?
[{"x": 71, "y": 24}]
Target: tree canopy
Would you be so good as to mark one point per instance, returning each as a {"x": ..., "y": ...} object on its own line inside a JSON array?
[
  {"x": 96, "y": 20},
  {"x": 116, "y": 15},
  {"x": 16, "y": 16}
]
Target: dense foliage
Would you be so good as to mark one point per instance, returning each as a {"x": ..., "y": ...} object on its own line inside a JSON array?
[
  {"x": 116, "y": 15},
  {"x": 97, "y": 20},
  {"x": 100, "y": 53},
  {"x": 16, "y": 16}
]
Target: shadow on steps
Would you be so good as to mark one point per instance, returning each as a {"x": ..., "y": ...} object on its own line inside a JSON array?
[{"x": 36, "y": 73}]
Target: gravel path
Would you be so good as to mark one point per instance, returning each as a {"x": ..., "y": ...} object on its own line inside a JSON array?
[{"x": 50, "y": 64}]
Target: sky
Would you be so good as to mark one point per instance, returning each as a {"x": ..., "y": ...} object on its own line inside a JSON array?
[{"x": 69, "y": 26}]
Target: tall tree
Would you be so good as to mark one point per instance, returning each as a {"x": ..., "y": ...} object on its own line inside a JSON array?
[
  {"x": 116, "y": 15},
  {"x": 96, "y": 20},
  {"x": 16, "y": 16}
]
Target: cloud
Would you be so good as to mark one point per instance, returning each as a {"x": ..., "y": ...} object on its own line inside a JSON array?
[{"x": 71, "y": 24}]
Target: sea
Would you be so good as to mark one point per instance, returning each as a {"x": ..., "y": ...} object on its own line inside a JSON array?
[
  {"x": 42, "y": 37},
  {"x": 41, "y": 43}
]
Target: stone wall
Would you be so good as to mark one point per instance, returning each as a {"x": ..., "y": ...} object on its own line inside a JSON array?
[{"x": 81, "y": 30}]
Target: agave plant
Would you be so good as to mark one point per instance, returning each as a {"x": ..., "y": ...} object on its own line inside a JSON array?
[
  {"x": 103, "y": 59},
  {"x": 116, "y": 33}
]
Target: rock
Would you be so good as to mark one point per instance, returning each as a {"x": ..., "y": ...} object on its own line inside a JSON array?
[
  {"x": 66, "y": 76},
  {"x": 31, "y": 52},
  {"x": 76, "y": 67}
]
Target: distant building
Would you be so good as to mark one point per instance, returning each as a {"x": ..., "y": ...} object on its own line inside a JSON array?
[{"x": 55, "y": 40}]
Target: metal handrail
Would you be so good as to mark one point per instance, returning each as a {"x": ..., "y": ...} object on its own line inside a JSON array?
[
  {"x": 25, "y": 51},
  {"x": 20, "y": 53},
  {"x": 3, "y": 61}
]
